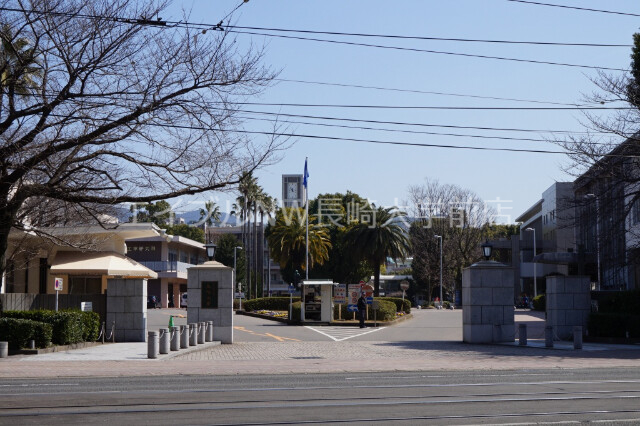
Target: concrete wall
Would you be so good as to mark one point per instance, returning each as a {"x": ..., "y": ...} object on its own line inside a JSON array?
[
  {"x": 487, "y": 303},
  {"x": 127, "y": 306},
  {"x": 568, "y": 304},
  {"x": 222, "y": 316}
]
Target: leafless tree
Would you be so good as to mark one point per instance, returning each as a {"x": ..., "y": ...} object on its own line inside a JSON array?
[{"x": 104, "y": 103}]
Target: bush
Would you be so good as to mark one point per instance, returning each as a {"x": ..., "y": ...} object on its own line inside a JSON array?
[
  {"x": 400, "y": 305},
  {"x": 613, "y": 325},
  {"x": 540, "y": 303},
  {"x": 18, "y": 332},
  {"x": 296, "y": 311},
  {"x": 268, "y": 303},
  {"x": 68, "y": 326},
  {"x": 90, "y": 326},
  {"x": 386, "y": 310}
]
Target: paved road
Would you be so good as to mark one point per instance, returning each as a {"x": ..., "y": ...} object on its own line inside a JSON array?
[{"x": 466, "y": 397}]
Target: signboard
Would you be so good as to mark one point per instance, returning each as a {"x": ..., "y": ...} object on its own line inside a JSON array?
[
  {"x": 58, "y": 284},
  {"x": 404, "y": 285},
  {"x": 367, "y": 289},
  {"x": 209, "y": 294},
  {"x": 292, "y": 289},
  {"x": 340, "y": 295},
  {"x": 353, "y": 293},
  {"x": 86, "y": 306}
]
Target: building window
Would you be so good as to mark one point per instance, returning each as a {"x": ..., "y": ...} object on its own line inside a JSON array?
[{"x": 85, "y": 285}]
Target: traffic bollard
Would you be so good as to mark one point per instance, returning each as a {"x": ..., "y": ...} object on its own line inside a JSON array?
[
  {"x": 548, "y": 336},
  {"x": 4, "y": 349},
  {"x": 522, "y": 334},
  {"x": 184, "y": 336},
  {"x": 201, "y": 330},
  {"x": 164, "y": 341},
  {"x": 152, "y": 344},
  {"x": 577, "y": 337},
  {"x": 175, "y": 338},
  {"x": 209, "y": 335},
  {"x": 193, "y": 334}
]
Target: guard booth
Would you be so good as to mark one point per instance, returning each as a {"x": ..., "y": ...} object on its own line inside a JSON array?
[{"x": 317, "y": 303}]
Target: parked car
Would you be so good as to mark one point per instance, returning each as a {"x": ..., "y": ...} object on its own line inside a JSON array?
[
  {"x": 152, "y": 302},
  {"x": 183, "y": 300}
]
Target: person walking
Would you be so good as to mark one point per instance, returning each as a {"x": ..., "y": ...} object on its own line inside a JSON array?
[{"x": 362, "y": 309}]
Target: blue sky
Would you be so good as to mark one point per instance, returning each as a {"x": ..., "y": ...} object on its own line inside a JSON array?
[{"x": 384, "y": 172}]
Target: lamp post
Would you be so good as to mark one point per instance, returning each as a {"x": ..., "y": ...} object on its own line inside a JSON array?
[
  {"x": 235, "y": 272},
  {"x": 487, "y": 248},
  {"x": 588, "y": 197},
  {"x": 440, "y": 238},
  {"x": 211, "y": 250},
  {"x": 535, "y": 277}
]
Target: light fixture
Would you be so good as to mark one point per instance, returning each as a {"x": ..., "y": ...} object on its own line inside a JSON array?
[
  {"x": 211, "y": 250},
  {"x": 487, "y": 248}
]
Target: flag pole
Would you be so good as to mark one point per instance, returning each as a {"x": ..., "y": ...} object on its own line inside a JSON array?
[{"x": 306, "y": 197}]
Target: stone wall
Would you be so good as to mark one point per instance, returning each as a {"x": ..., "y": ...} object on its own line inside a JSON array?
[
  {"x": 568, "y": 304},
  {"x": 197, "y": 309},
  {"x": 487, "y": 303},
  {"x": 127, "y": 306}
]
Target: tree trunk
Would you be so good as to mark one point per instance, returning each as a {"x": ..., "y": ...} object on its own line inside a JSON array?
[{"x": 376, "y": 279}]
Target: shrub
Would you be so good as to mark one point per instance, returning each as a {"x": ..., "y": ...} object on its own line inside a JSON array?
[
  {"x": 67, "y": 325},
  {"x": 613, "y": 325},
  {"x": 296, "y": 311},
  {"x": 268, "y": 303},
  {"x": 540, "y": 303},
  {"x": 627, "y": 302},
  {"x": 18, "y": 332},
  {"x": 90, "y": 326},
  {"x": 386, "y": 310},
  {"x": 400, "y": 305}
]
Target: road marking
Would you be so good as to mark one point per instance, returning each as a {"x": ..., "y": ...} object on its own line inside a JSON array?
[
  {"x": 273, "y": 336},
  {"x": 339, "y": 334}
]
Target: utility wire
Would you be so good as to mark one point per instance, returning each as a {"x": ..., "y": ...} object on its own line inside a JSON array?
[
  {"x": 575, "y": 8},
  {"x": 438, "y": 52},
  {"x": 300, "y": 105},
  {"x": 358, "y": 86}
]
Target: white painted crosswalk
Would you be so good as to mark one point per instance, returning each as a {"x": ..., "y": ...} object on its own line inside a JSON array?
[{"x": 338, "y": 334}]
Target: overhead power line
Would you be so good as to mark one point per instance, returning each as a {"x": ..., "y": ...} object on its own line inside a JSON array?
[
  {"x": 300, "y": 105},
  {"x": 437, "y": 52},
  {"x": 563, "y": 6}
]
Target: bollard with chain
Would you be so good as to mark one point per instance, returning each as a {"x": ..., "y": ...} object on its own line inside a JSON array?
[
  {"x": 209, "y": 335},
  {"x": 201, "y": 327},
  {"x": 577, "y": 337},
  {"x": 175, "y": 338},
  {"x": 184, "y": 336},
  {"x": 193, "y": 334},
  {"x": 548, "y": 336},
  {"x": 164, "y": 340},
  {"x": 152, "y": 344},
  {"x": 522, "y": 334}
]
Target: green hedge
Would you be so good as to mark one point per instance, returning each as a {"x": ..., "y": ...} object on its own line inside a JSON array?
[
  {"x": 18, "y": 332},
  {"x": 540, "y": 303},
  {"x": 627, "y": 302},
  {"x": 90, "y": 326},
  {"x": 68, "y": 326},
  {"x": 614, "y": 325},
  {"x": 400, "y": 305},
  {"x": 296, "y": 311},
  {"x": 268, "y": 303},
  {"x": 386, "y": 310}
]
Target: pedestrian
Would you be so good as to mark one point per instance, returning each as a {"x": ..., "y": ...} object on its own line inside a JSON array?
[{"x": 362, "y": 307}]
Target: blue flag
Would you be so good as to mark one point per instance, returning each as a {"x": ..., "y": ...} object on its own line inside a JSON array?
[{"x": 306, "y": 174}]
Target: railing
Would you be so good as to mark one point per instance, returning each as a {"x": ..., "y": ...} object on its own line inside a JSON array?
[{"x": 167, "y": 266}]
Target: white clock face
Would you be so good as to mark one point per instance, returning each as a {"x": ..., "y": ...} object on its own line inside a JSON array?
[{"x": 292, "y": 190}]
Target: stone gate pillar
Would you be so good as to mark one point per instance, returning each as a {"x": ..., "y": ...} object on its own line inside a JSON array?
[
  {"x": 568, "y": 301},
  {"x": 127, "y": 306},
  {"x": 487, "y": 303},
  {"x": 210, "y": 289}
]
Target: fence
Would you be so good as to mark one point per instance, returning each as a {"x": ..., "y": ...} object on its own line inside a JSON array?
[{"x": 34, "y": 302}]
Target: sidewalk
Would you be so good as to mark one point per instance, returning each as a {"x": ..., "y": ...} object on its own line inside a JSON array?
[{"x": 130, "y": 359}]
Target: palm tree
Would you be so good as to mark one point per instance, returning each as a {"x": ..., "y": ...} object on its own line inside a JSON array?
[
  {"x": 210, "y": 213},
  {"x": 267, "y": 205},
  {"x": 20, "y": 71},
  {"x": 373, "y": 241},
  {"x": 248, "y": 188},
  {"x": 287, "y": 239}
]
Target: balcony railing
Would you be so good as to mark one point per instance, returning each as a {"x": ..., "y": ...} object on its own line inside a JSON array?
[{"x": 167, "y": 266}]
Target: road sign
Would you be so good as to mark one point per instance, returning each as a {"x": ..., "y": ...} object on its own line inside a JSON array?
[
  {"x": 340, "y": 296},
  {"x": 86, "y": 306},
  {"x": 367, "y": 289},
  {"x": 369, "y": 300},
  {"x": 58, "y": 284},
  {"x": 404, "y": 285},
  {"x": 292, "y": 289},
  {"x": 353, "y": 294}
]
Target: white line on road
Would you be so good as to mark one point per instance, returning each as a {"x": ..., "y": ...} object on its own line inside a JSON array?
[{"x": 341, "y": 331}]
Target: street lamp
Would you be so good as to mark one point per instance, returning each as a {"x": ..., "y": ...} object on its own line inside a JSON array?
[
  {"x": 487, "y": 248},
  {"x": 235, "y": 271},
  {"x": 535, "y": 276},
  {"x": 211, "y": 250},
  {"x": 588, "y": 197},
  {"x": 440, "y": 237}
]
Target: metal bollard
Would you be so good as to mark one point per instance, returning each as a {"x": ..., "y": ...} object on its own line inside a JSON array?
[
  {"x": 209, "y": 335},
  {"x": 577, "y": 337},
  {"x": 32, "y": 344},
  {"x": 175, "y": 338},
  {"x": 152, "y": 344},
  {"x": 184, "y": 336},
  {"x": 164, "y": 341},
  {"x": 4, "y": 349},
  {"x": 201, "y": 326},
  {"x": 522, "y": 334},
  {"x": 193, "y": 334},
  {"x": 548, "y": 336}
]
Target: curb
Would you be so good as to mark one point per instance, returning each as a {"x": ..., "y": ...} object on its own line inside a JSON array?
[
  {"x": 172, "y": 354},
  {"x": 58, "y": 348}
]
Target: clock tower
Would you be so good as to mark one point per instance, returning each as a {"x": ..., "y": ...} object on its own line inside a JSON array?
[{"x": 292, "y": 191}]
